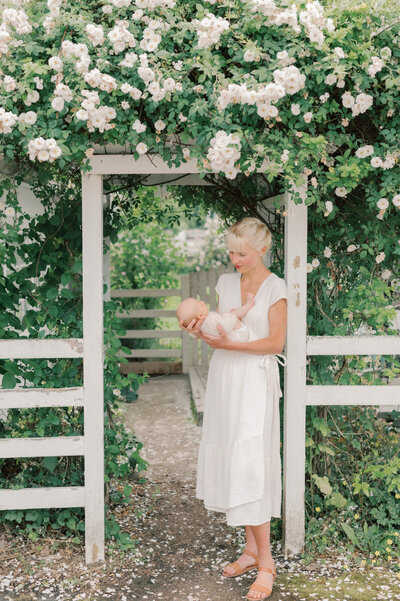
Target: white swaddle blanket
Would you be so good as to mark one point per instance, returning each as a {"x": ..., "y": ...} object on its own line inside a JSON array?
[{"x": 227, "y": 321}]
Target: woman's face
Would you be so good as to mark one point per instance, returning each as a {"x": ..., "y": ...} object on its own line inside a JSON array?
[{"x": 246, "y": 258}]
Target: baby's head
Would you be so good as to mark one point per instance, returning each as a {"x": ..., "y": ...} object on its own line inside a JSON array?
[{"x": 190, "y": 309}]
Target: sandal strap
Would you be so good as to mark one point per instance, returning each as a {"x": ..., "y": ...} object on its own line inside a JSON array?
[
  {"x": 235, "y": 565},
  {"x": 258, "y": 588},
  {"x": 269, "y": 570},
  {"x": 250, "y": 553}
]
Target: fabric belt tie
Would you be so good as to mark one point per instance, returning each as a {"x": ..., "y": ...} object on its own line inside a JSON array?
[{"x": 270, "y": 363}]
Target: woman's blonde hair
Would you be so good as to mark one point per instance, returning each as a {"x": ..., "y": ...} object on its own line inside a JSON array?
[{"x": 250, "y": 230}]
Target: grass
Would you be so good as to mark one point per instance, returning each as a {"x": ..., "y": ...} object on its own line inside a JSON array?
[{"x": 360, "y": 585}]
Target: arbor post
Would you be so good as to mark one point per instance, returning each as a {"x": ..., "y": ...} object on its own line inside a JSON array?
[
  {"x": 93, "y": 357},
  {"x": 295, "y": 373}
]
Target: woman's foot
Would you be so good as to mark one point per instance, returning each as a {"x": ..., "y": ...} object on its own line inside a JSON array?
[
  {"x": 244, "y": 562},
  {"x": 264, "y": 580}
]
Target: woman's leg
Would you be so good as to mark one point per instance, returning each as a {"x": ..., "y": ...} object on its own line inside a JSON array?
[
  {"x": 245, "y": 560},
  {"x": 261, "y": 536}
]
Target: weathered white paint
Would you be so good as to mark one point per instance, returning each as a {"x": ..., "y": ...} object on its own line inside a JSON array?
[
  {"x": 59, "y": 446},
  {"x": 24, "y": 398},
  {"x": 46, "y": 348},
  {"x": 295, "y": 375},
  {"x": 353, "y": 345},
  {"x": 42, "y": 498},
  {"x": 353, "y": 395},
  {"x": 92, "y": 239},
  {"x": 118, "y": 164}
]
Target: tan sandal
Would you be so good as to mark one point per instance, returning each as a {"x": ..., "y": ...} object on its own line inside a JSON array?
[
  {"x": 258, "y": 588},
  {"x": 238, "y": 568}
]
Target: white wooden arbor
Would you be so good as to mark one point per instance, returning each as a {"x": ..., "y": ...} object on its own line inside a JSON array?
[{"x": 297, "y": 394}]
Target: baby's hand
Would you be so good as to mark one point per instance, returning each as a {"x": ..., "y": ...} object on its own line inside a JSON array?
[{"x": 250, "y": 300}]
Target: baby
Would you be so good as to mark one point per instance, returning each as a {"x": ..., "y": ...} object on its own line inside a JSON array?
[{"x": 191, "y": 308}]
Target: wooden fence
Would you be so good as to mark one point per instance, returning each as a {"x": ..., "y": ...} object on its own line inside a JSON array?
[{"x": 197, "y": 284}]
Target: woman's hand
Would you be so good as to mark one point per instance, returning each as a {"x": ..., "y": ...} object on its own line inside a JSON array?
[
  {"x": 222, "y": 341},
  {"x": 193, "y": 328}
]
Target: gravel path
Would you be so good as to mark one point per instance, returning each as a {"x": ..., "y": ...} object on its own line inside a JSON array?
[{"x": 180, "y": 548}]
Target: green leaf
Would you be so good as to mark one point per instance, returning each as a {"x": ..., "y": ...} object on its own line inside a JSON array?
[
  {"x": 127, "y": 490},
  {"x": 321, "y": 425},
  {"x": 9, "y": 381},
  {"x": 351, "y": 534},
  {"x": 65, "y": 278},
  {"x": 323, "y": 484},
  {"x": 50, "y": 463},
  {"x": 52, "y": 293},
  {"x": 337, "y": 500}
]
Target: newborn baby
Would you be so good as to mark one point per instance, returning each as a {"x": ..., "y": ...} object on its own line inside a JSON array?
[{"x": 191, "y": 308}]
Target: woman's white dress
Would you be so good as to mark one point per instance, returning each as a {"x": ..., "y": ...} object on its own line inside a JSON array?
[{"x": 239, "y": 467}]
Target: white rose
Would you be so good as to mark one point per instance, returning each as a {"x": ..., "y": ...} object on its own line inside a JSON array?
[
  {"x": 351, "y": 248},
  {"x": 396, "y": 201},
  {"x": 341, "y": 191},
  {"x": 315, "y": 263},
  {"x": 295, "y": 108},
  {"x": 57, "y": 103},
  {"x": 327, "y": 252},
  {"x": 308, "y": 116},
  {"x": 55, "y": 63},
  {"x": 382, "y": 203},
  {"x": 159, "y": 125},
  {"x": 379, "y": 258},
  {"x": 43, "y": 155},
  {"x": 376, "y": 162},
  {"x": 141, "y": 148}
]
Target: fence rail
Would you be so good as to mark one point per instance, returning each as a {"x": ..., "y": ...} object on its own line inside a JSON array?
[{"x": 198, "y": 284}]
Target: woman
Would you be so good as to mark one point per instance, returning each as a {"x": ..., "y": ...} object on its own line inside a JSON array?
[{"x": 239, "y": 470}]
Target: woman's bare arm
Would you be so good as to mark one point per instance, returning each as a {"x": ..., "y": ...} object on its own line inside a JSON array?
[{"x": 273, "y": 344}]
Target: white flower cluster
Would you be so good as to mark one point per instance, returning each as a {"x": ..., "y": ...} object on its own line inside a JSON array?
[
  {"x": 129, "y": 60},
  {"x": 360, "y": 104},
  {"x": 250, "y": 55},
  {"x": 151, "y": 4},
  {"x": 9, "y": 83},
  {"x": 388, "y": 163},
  {"x": 284, "y": 58},
  {"x": 288, "y": 80},
  {"x": 121, "y": 3},
  {"x": 7, "y": 121},
  {"x": 62, "y": 94},
  {"x": 18, "y": 19},
  {"x": 224, "y": 151},
  {"x": 364, "y": 151},
  {"x": 95, "y": 34},
  {"x": 5, "y": 38},
  {"x": 209, "y": 30},
  {"x": 28, "y": 118},
  {"x": 44, "y": 150},
  {"x": 54, "y": 8},
  {"x": 380, "y": 257},
  {"x": 150, "y": 40},
  {"x": 79, "y": 51},
  {"x": 97, "y": 117},
  {"x": 139, "y": 127},
  {"x": 313, "y": 265},
  {"x": 96, "y": 79},
  {"x": 134, "y": 93},
  {"x": 31, "y": 98},
  {"x": 328, "y": 207},
  {"x": 120, "y": 37},
  {"x": 376, "y": 65},
  {"x": 312, "y": 18}
]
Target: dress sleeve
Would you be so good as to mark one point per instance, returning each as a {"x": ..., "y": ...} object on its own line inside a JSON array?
[
  {"x": 279, "y": 291},
  {"x": 218, "y": 286}
]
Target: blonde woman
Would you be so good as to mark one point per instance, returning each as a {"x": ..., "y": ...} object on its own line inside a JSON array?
[{"x": 239, "y": 469}]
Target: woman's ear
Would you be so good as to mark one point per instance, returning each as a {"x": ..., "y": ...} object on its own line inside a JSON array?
[{"x": 262, "y": 251}]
